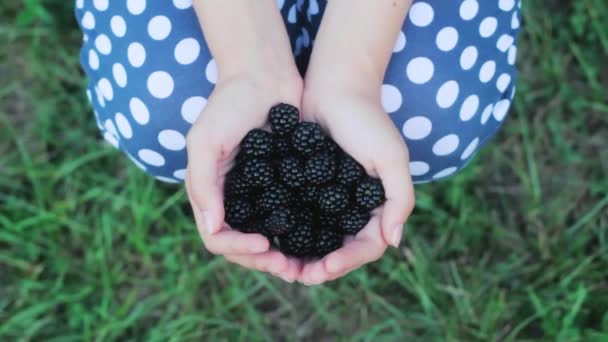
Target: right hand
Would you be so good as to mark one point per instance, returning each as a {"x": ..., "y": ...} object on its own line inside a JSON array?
[{"x": 236, "y": 106}]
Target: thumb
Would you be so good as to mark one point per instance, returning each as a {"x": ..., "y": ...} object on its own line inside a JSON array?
[
  {"x": 203, "y": 185},
  {"x": 400, "y": 199}
]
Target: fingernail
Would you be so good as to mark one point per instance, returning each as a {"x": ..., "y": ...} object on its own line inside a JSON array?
[
  {"x": 208, "y": 221},
  {"x": 396, "y": 238}
]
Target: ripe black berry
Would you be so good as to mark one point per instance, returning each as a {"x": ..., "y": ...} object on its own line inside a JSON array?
[
  {"x": 327, "y": 242},
  {"x": 291, "y": 172},
  {"x": 257, "y": 143},
  {"x": 280, "y": 221},
  {"x": 257, "y": 173},
  {"x": 320, "y": 168},
  {"x": 238, "y": 212},
  {"x": 327, "y": 221},
  {"x": 299, "y": 242},
  {"x": 353, "y": 221},
  {"x": 309, "y": 194},
  {"x": 333, "y": 199},
  {"x": 369, "y": 194},
  {"x": 282, "y": 146},
  {"x": 349, "y": 171},
  {"x": 235, "y": 185},
  {"x": 307, "y": 138},
  {"x": 274, "y": 197},
  {"x": 284, "y": 118}
]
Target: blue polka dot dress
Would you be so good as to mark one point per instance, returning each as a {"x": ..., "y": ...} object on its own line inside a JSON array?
[{"x": 448, "y": 87}]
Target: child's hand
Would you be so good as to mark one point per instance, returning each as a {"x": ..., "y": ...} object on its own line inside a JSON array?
[
  {"x": 236, "y": 106},
  {"x": 357, "y": 122}
]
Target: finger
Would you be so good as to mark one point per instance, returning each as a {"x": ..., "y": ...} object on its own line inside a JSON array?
[
  {"x": 229, "y": 241},
  {"x": 313, "y": 273},
  {"x": 368, "y": 246},
  {"x": 399, "y": 192},
  {"x": 291, "y": 273},
  {"x": 272, "y": 261},
  {"x": 202, "y": 181}
]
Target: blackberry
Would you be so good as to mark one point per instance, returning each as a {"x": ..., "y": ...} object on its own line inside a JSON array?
[
  {"x": 327, "y": 221},
  {"x": 238, "y": 212},
  {"x": 299, "y": 242},
  {"x": 306, "y": 216},
  {"x": 333, "y": 199},
  {"x": 353, "y": 221},
  {"x": 327, "y": 242},
  {"x": 280, "y": 221},
  {"x": 283, "y": 118},
  {"x": 369, "y": 193},
  {"x": 274, "y": 197},
  {"x": 257, "y": 173},
  {"x": 320, "y": 168},
  {"x": 282, "y": 146},
  {"x": 257, "y": 143},
  {"x": 349, "y": 171},
  {"x": 251, "y": 227},
  {"x": 309, "y": 194},
  {"x": 330, "y": 146},
  {"x": 291, "y": 172},
  {"x": 235, "y": 185},
  {"x": 307, "y": 138}
]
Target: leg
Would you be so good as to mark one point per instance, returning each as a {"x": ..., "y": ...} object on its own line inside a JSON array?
[{"x": 150, "y": 74}]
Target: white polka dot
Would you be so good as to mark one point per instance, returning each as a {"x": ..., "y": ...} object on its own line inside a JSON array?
[
  {"x": 519, "y": 4},
  {"x": 421, "y": 14},
  {"x": 192, "y": 108},
  {"x": 89, "y": 96},
  {"x": 400, "y": 43},
  {"x": 470, "y": 149},
  {"x": 488, "y": 27},
  {"x": 446, "y": 145},
  {"x": 506, "y": 5},
  {"x": 419, "y": 168},
  {"x": 180, "y": 174},
  {"x": 100, "y": 5},
  {"x": 118, "y": 25},
  {"x": 120, "y": 75},
  {"x": 172, "y": 140},
  {"x": 113, "y": 140},
  {"x": 160, "y": 84},
  {"x": 136, "y": 7},
  {"x": 515, "y": 20},
  {"x": 503, "y": 82},
  {"x": 106, "y": 89},
  {"x": 88, "y": 21},
  {"x": 487, "y": 112},
  {"x": 110, "y": 128},
  {"x": 469, "y": 108},
  {"x": 416, "y": 128},
  {"x": 139, "y": 111},
  {"x": 468, "y": 58},
  {"x": 100, "y": 98},
  {"x": 93, "y": 59},
  {"x": 151, "y": 157},
  {"x": 103, "y": 44},
  {"x": 420, "y": 70},
  {"x": 136, "y": 162},
  {"x": 447, "y": 94},
  {"x": 487, "y": 71},
  {"x": 512, "y": 55},
  {"x": 182, "y": 4},
  {"x": 469, "y": 9},
  {"x": 513, "y": 92},
  {"x": 446, "y": 172},
  {"x": 159, "y": 27},
  {"x": 391, "y": 98},
  {"x": 79, "y": 4},
  {"x": 292, "y": 15},
  {"x": 447, "y": 38},
  {"x": 501, "y": 109},
  {"x": 85, "y": 37},
  {"x": 504, "y": 42},
  {"x": 136, "y": 54},
  {"x": 123, "y": 126},
  {"x": 187, "y": 51},
  {"x": 211, "y": 72}
]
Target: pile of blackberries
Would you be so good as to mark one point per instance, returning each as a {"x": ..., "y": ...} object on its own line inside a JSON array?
[{"x": 297, "y": 187}]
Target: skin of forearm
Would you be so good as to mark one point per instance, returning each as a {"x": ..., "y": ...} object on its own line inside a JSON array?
[
  {"x": 356, "y": 40},
  {"x": 246, "y": 36}
]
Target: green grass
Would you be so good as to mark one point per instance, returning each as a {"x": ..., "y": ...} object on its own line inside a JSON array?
[{"x": 515, "y": 248}]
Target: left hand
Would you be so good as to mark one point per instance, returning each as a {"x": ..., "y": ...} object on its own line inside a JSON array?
[{"x": 356, "y": 121}]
